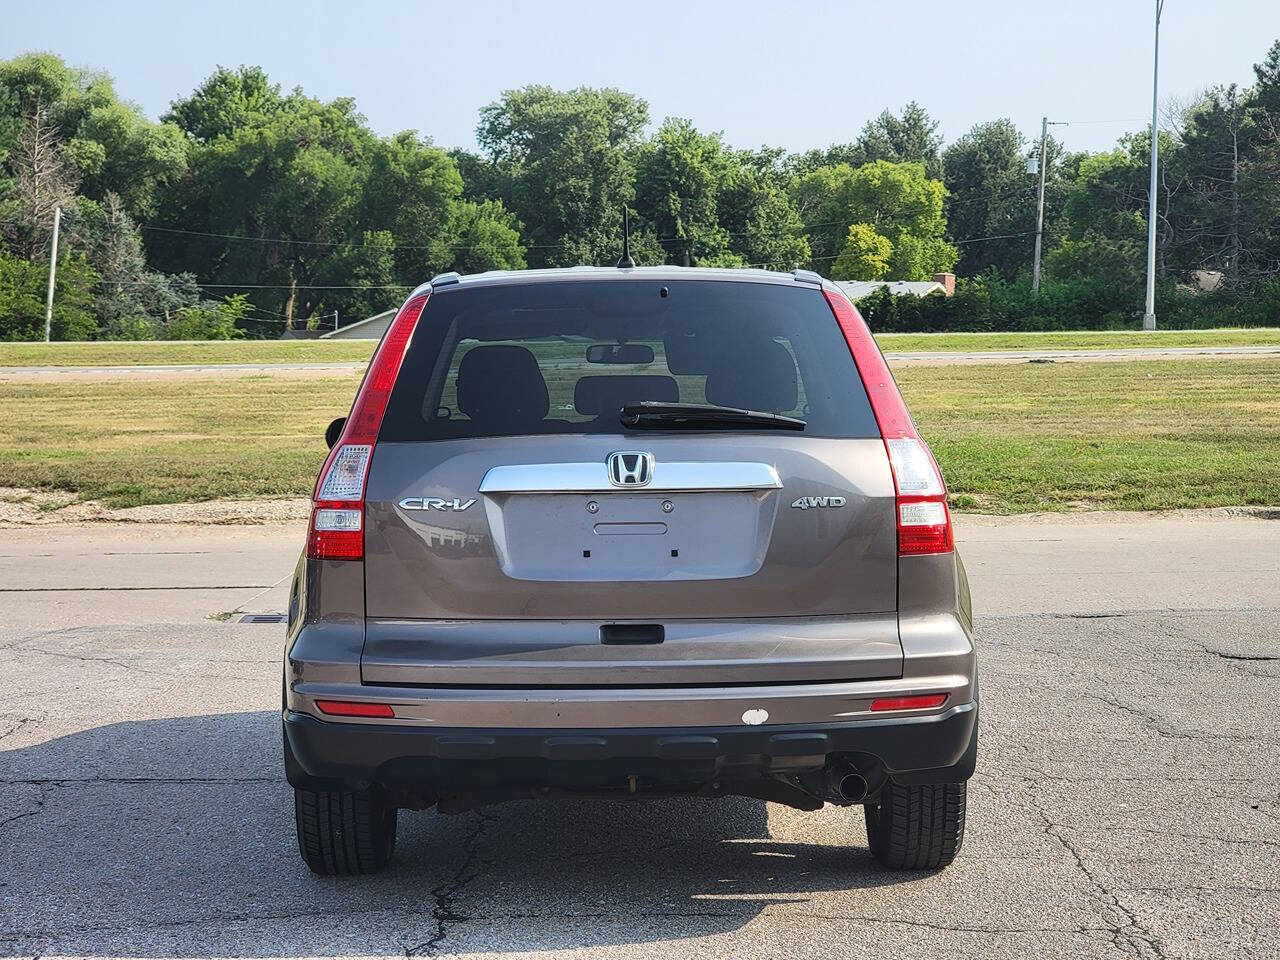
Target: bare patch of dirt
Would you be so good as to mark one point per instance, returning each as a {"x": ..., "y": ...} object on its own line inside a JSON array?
[{"x": 25, "y": 508}]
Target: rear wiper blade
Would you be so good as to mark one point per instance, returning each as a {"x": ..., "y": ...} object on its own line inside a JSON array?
[{"x": 655, "y": 415}]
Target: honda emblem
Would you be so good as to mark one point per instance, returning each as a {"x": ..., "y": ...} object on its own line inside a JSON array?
[{"x": 630, "y": 468}]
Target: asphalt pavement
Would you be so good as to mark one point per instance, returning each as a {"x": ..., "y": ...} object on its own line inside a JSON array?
[{"x": 1125, "y": 803}]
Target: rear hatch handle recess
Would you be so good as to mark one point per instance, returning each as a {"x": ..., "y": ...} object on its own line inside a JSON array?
[{"x": 632, "y": 633}]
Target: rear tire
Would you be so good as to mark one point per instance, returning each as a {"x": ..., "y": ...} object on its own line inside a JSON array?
[
  {"x": 343, "y": 833},
  {"x": 917, "y": 828}
]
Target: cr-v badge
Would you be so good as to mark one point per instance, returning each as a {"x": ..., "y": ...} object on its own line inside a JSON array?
[
  {"x": 434, "y": 503},
  {"x": 808, "y": 503}
]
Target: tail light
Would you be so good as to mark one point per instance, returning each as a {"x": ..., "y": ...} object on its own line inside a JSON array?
[
  {"x": 337, "y": 507},
  {"x": 924, "y": 523}
]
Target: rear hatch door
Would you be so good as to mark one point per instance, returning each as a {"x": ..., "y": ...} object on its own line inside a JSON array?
[{"x": 542, "y": 559}]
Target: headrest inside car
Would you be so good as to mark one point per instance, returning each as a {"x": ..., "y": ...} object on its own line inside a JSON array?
[
  {"x": 754, "y": 375},
  {"x": 502, "y": 385}
]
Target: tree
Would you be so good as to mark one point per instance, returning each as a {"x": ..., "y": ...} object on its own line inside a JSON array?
[
  {"x": 118, "y": 151},
  {"x": 107, "y": 144},
  {"x": 286, "y": 176},
  {"x": 209, "y": 320},
  {"x": 1103, "y": 240},
  {"x": 410, "y": 189},
  {"x": 1230, "y": 156},
  {"x": 910, "y": 138},
  {"x": 226, "y": 102},
  {"x": 23, "y": 285},
  {"x": 896, "y": 200},
  {"x": 865, "y": 255},
  {"x": 486, "y": 237},
  {"x": 680, "y": 174},
  {"x": 41, "y": 181},
  {"x": 566, "y": 156},
  {"x": 991, "y": 194},
  {"x": 763, "y": 224},
  {"x": 368, "y": 268}
]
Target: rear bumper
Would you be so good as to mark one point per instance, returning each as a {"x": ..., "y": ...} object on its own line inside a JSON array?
[{"x": 935, "y": 748}]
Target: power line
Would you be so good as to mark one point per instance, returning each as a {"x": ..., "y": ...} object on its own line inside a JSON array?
[
  {"x": 999, "y": 236},
  {"x": 399, "y": 246},
  {"x": 1069, "y": 123}
]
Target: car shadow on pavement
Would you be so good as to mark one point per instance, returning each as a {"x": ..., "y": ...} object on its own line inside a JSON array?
[{"x": 175, "y": 837}]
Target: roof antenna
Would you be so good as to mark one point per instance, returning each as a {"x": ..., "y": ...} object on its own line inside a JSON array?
[{"x": 625, "y": 260}]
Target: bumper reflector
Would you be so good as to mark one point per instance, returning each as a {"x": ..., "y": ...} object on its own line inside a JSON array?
[
  {"x": 350, "y": 708},
  {"x": 924, "y": 701}
]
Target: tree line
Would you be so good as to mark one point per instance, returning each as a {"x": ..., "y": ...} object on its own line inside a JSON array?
[{"x": 248, "y": 209}]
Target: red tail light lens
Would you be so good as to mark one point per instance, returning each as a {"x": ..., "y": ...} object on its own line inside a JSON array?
[
  {"x": 352, "y": 708},
  {"x": 924, "y": 522},
  {"x": 337, "y": 508},
  {"x": 926, "y": 701}
]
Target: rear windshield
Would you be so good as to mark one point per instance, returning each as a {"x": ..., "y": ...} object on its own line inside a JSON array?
[{"x": 556, "y": 357}]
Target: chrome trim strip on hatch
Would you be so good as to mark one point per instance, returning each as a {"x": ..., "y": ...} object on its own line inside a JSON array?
[{"x": 594, "y": 478}]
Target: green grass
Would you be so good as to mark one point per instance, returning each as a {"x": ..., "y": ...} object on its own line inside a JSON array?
[
  {"x": 130, "y": 442},
  {"x": 1077, "y": 340},
  {"x": 1013, "y": 438},
  {"x": 130, "y": 353},
  {"x": 1134, "y": 435},
  {"x": 90, "y": 354}
]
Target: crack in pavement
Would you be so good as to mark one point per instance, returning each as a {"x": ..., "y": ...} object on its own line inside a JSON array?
[
  {"x": 22, "y": 722},
  {"x": 1129, "y": 936},
  {"x": 80, "y": 781},
  {"x": 944, "y": 927},
  {"x": 1157, "y": 724},
  {"x": 1241, "y": 656},
  {"x": 1177, "y": 835},
  {"x": 41, "y": 796},
  {"x": 445, "y": 894},
  {"x": 131, "y": 666},
  {"x": 233, "y": 586},
  {"x": 145, "y": 924}
]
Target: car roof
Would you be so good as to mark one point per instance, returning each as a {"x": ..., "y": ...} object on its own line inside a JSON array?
[{"x": 564, "y": 274}]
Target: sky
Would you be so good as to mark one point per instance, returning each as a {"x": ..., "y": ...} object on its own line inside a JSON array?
[{"x": 794, "y": 75}]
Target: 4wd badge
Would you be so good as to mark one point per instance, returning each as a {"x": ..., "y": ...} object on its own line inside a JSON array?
[{"x": 809, "y": 503}]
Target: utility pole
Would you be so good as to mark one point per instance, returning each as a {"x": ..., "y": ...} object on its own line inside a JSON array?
[
  {"x": 53, "y": 269},
  {"x": 1149, "y": 318},
  {"x": 1044, "y": 154}
]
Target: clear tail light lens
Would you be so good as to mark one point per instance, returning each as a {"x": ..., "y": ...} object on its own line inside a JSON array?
[{"x": 345, "y": 477}]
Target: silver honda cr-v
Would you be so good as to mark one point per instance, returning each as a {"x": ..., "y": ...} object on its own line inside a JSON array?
[{"x": 628, "y": 533}]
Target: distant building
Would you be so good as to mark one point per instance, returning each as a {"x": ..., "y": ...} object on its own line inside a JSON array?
[
  {"x": 943, "y": 283},
  {"x": 371, "y": 328}
]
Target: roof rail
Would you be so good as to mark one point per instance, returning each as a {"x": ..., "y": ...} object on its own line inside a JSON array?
[
  {"x": 444, "y": 279},
  {"x": 808, "y": 276}
]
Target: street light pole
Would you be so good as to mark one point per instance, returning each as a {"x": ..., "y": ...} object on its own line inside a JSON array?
[
  {"x": 1149, "y": 318},
  {"x": 1035, "y": 266},
  {"x": 53, "y": 269}
]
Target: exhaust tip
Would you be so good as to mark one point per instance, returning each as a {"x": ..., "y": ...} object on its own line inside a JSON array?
[{"x": 852, "y": 787}]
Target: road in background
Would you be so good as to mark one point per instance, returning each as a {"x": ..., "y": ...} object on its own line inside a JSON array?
[
  {"x": 1125, "y": 803},
  {"x": 939, "y": 358}
]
